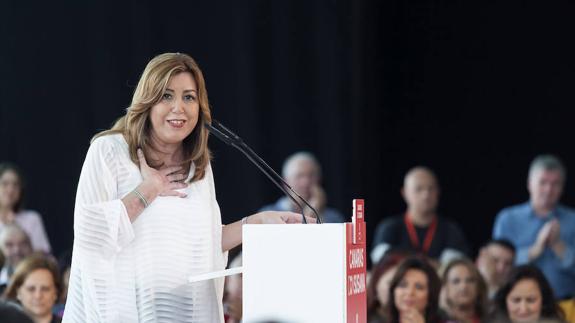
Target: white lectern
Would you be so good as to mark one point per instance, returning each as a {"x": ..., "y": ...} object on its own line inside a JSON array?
[{"x": 302, "y": 273}]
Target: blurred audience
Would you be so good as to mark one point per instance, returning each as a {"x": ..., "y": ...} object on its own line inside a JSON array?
[
  {"x": 464, "y": 292},
  {"x": 526, "y": 297},
  {"x": 495, "y": 261},
  {"x": 378, "y": 286},
  {"x": 15, "y": 246},
  {"x": 420, "y": 229},
  {"x": 11, "y": 211},
  {"x": 414, "y": 293},
  {"x": 541, "y": 229},
  {"x": 35, "y": 285},
  {"x": 302, "y": 172}
]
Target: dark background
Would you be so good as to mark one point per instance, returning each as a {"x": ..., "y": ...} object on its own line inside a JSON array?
[{"x": 473, "y": 90}]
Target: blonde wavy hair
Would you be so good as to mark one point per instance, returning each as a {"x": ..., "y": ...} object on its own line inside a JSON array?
[{"x": 136, "y": 126}]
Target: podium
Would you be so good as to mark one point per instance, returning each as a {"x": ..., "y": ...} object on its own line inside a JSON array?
[{"x": 305, "y": 273}]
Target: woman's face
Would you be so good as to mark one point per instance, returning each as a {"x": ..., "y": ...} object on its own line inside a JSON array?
[
  {"x": 38, "y": 293},
  {"x": 9, "y": 189},
  {"x": 461, "y": 286},
  {"x": 176, "y": 115},
  {"x": 382, "y": 287},
  {"x": 524, "y": 301},
  {"x": 412, "y": 291}
]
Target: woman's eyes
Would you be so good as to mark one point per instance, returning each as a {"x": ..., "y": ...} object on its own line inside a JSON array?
[
  {"x": 531, "y": 299},
  {"x": 420, "y": 286},
  {"x": 187, "y": 97},
  {"x": 516, "y": 300},
  {"x": 41, "y": 288},
  {"x": 469, "y": 280}
]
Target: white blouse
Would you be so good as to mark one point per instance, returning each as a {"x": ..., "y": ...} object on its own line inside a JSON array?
[{"x": 137, "y": 272}]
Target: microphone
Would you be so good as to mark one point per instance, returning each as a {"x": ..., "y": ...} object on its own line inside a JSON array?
[{"x": 229, "y": 137}]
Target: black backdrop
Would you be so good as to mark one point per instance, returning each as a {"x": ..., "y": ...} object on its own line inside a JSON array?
[{"x": 474, "y": 90}]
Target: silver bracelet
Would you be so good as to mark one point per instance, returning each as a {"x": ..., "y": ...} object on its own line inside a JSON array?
[{"x": 141, "y": 197}]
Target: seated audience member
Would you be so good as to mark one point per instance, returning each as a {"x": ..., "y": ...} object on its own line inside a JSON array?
[
  {"x": 526, "y": 297},
  {"x": 542, "y": 230},
  {"x": 15, "y": 246},
  {"x": 568, "y": 307},
  {"x": 11, "y": 197},
  {"x": 10, "y": 313},
  {"x": 302, "y": 172},
  {"x": 420, "y": 229},
  {"x": 233, "y": 294},
  {"x": 414, "y": 293},
  {"x": 35, "y": 285},
  {"x": 378, "y": 286},
  {"x": 465, "y": 292},
  {"x": 495, "y": 261}
]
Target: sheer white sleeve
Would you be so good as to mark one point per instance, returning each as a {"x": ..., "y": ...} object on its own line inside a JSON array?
[
  {"x": 101, "y": 223},
  {"x": 101, "y": 228}
]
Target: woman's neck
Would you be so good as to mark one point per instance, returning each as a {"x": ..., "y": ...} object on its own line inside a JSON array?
[
  {"x": 46, "y": 318},
  {"x": 462, "y": 313},
  {"x": 166, "y": 154},
  {"x": 6, "y": 214},
  {"x": 404, "y": 318}
]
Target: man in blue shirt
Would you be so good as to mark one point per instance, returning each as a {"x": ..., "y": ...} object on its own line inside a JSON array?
[
  {"x": 542, "y": 230},
  {"x": 302, "y": 172}
]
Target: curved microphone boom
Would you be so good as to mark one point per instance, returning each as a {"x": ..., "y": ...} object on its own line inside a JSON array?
[{"x": 230, "y": 138}]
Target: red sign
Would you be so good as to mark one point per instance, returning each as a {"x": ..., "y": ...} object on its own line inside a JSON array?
[{"x": 356, "y": 266}]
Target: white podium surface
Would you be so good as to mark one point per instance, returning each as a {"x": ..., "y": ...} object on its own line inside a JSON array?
[{"x": 294, "y": 273}]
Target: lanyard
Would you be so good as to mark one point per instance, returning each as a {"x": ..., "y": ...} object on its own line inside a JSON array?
[{"x": 413, "y": 234}]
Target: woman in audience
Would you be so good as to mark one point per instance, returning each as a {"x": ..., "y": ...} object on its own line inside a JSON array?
[
  {"x": 464, "y": 291},
  {"x": 36, "y": 286},
  {"x": 11, "y": 197},
  {"x": 378, "y": 286},
  {"x": 526, "y": 297},
  {"x": 414, "y": 293}
]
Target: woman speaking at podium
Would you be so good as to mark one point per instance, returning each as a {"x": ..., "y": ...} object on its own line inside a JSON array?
[{"x": 146, "y": 216}]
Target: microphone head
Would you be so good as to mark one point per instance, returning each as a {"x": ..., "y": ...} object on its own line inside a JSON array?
[{"x": 221, "y": 136}]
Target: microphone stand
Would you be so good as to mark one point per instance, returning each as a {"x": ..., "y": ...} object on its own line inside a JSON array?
[{"x": 230, "y": 138}]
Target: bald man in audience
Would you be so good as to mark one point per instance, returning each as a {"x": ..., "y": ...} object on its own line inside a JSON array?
[
  {"x": 302, "y": 172},
  {"x": 419, "y": 229},
  {"x": 15, "y": 246}
]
